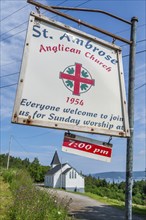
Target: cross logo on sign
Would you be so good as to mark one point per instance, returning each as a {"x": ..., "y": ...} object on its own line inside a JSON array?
[{"x": 77, "y": 79}]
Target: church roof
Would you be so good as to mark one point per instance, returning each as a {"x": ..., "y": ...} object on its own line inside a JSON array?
[
  {"x": 55, "y": 159},
  {"x": 58, "y": 166},
  {"x": 67, "y": 170},
  {"x": 55, "y": 169}
]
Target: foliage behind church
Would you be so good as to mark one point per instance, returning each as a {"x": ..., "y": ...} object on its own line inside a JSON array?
[{"x": 36, "y": 170}]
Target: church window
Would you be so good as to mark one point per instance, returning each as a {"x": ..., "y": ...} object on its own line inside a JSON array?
[
  {"x": 70, "y": 175},
  {"x": 75, "y": 175}
]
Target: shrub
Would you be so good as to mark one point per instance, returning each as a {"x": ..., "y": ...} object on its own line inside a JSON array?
[
  {"x": 8, "y": 175},
  {"x": 29, "y": 202},
  {"x": 33, "y": 204}
]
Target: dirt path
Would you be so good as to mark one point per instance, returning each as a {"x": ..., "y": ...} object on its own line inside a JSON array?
[{"x": 85, "y": 208}]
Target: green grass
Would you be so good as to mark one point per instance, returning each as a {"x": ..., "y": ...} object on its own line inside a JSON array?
[
  {"x": 6, "y": 199},
  {"x": 137, "y": 209},
  {"x": 22, "y": 200}
]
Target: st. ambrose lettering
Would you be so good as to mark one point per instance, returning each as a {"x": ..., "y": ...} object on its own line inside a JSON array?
[{"x": 66, "y": 37}]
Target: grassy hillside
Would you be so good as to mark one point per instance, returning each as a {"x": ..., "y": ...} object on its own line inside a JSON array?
[
  {"x": 22, "y": 200},
  {"x": 6, "y": 199}
]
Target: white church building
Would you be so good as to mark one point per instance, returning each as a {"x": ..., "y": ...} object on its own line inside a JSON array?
[{"x": 63, "y": 176}]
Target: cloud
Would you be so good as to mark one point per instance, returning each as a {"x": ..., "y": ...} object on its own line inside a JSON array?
[
  {"x": 141, "y": 136},
  {"x": 5, "y": 128},
  {"x": 14, "y": 50},
  {"x": 7, "y": 103},
  {"x": 44, "y": 157},
  {"x": 142, "y": 152},
  {"x": 140, "y": 113},
  {"x": 50, "y": 148},
  {"x": 141, "y": 67}
]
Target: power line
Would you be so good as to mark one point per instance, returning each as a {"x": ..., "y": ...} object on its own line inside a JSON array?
[
  {"x": 25, "y": 22},
  {"x": 61, "y": 2},
  {"x": 136, "y": 42},
  {"x": 140, "y": 86},
  {"x": 139, "y": 26},
  {"x": 10, "y": 63},
  {"x": 9, "y": 74},
  {"x": 141, "y": 41},
  {"x": 8, "y": 85},
  {"x": 34, "y": 136},
  {"x": 14, "y": 12},
  {"x": 20, "y": 145},
  {"x": 14, "y": 28},
  {"x": 142, "y": 51},
  {"x": 53, "y": 17},
  {"x": 42, "y": 13},
  {"x": 13, "y": 35}
]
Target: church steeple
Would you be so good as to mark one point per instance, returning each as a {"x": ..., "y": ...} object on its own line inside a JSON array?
[{"x": 55, "y": 160}]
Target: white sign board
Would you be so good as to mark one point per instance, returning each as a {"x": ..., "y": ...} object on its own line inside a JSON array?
[
  {"x": 70, "y": 80},
  {"x": 87, "y": 147}
]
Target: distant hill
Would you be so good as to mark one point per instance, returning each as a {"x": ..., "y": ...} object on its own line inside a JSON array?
[{"x": 137, "y": 175}]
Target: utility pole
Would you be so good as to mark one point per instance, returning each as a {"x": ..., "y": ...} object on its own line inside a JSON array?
[
  {"x": 61, "y": 185},
  {"x": 129, "y": 155},
  {"x": 8, "y": 160}
]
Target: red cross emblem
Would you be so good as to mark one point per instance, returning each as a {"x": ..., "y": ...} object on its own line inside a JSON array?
[{"x": 77, "y": 79}]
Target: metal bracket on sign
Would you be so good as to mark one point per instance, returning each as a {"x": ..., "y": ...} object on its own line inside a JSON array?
[
  {"x": 79, "y": 23},
  {"x": 113, "y": 40},
  {"x": 68, "y": 134},
  {"x": 110, "y": 139},
  {"x": 38, "y": 10}
]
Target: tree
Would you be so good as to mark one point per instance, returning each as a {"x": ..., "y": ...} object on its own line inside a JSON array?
[
  {"x": 26, "y": 162},
  {"x": 35, "y": 170}
]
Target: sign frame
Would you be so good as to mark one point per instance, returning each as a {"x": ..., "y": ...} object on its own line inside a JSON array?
[
  {"x": 87, "y": 147},
  {"x": 27, "y": 120}
]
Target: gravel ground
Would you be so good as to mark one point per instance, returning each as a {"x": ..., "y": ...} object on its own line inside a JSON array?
[{"x": 85, "y": 208}]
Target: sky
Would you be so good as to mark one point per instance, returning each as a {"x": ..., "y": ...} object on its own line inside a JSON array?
[{"x": 30, "y": 141}]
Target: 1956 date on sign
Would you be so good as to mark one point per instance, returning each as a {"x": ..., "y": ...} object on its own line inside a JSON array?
[{"x": 74, "y": 101}]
